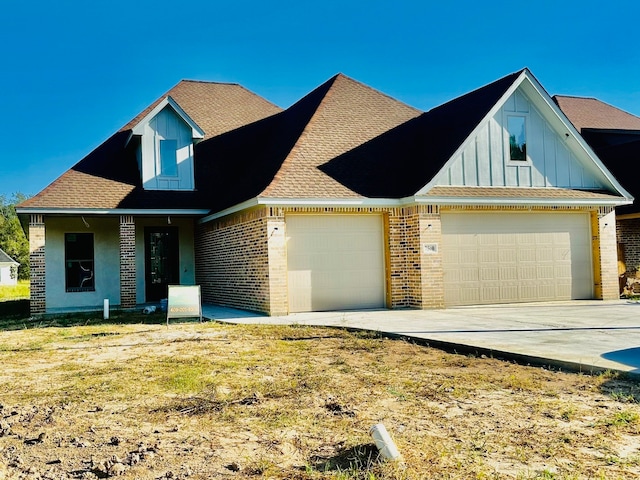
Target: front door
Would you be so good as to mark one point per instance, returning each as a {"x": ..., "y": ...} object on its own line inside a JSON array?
[{"x": 161, "y": 261}]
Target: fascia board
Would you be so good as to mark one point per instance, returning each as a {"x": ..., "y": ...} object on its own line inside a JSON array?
[
  {"x": 496, "y": 108},
  {"x": 308, "y": 202},
  {"x": 574, "y": 134},
  {"x": 111, "y": 211},
  {"x": 521, "y": 201},
  {"x": 196, "y": 131}
]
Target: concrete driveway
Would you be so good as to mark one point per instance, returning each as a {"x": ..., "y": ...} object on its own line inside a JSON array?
[{"x": 586, "y": 335}]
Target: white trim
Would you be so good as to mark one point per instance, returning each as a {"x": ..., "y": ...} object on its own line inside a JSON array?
[
  {"x": 519, "y": 201},
  {"x": 196, "y": 131},
  {"x": 496, "y": 108},
  {"x": 111, "y": 211},
  {"x": 309, "y": 202},
  {"x": 399, "y": 202},
  {"x": 548, "y": 101}
]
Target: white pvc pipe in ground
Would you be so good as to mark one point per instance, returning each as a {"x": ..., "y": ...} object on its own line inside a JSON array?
[
  {"x": 384, "y": 442},
  {"x": 106, "y": 309}
]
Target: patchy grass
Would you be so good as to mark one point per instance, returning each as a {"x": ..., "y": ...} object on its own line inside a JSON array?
[
  {"x": 15, "y": 292},
  {"x": 84, "y": 399}
]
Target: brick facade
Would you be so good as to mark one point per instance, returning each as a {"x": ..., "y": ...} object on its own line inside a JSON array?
[
  {"x": 232, "y": 261},
  {"x": 127, "y": 261},
  {"x": 241, "y": 259},
  {"x": 608, "y": 288},
  {"x": 629, "y": 239},
  {"x": 37, "y": 264}
]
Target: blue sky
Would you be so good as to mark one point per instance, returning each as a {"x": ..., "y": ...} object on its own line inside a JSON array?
[{"x": 73, "y": 72}]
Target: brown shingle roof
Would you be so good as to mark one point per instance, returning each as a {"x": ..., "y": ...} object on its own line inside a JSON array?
[
  {"x": 109, "y": 178},
  {"x": 521, "y": 193},
  {"x": 216, "y": 107},
  {"x": 592, "y": 113},
  {"x": 349, "y": 114}
]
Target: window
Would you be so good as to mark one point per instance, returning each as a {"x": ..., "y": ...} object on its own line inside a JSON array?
[
  {"x": 168, "y": 158},
  {"x": 516, "y": 127},
  {"x": 78, "y": 259}
]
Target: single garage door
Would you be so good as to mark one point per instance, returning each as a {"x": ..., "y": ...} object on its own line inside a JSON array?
[
  {"x": 335, "y": 262},
  {"x": 516, "y": 257}
]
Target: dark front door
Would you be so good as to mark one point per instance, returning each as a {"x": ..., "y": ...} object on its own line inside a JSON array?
[{"x": 161, "y": 261}]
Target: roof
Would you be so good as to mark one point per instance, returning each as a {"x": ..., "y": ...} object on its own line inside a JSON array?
[
  {"x": 108, "y": 178},
  {"x": 523, "y": 194},
  {"x": 584, "y": 112},
  {"x": 403, "y": 160},
  {"x": 343, "y": 140},
  {"x": 349, "y": 115},
  {"x": 4, "y": 258},
  {"x": 613, "y": 134}
]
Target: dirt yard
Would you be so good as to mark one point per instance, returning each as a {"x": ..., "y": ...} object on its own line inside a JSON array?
[{"x": 203, "y": 401}]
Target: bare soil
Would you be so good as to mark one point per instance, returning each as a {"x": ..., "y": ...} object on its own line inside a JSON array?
[{"x": 200, "y": 401}]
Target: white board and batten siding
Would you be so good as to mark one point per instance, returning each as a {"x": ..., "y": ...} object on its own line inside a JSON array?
[
  {"x": 484, "y": 161},
  {"x": 511, "y": 257},
  {"x": 166, "y": 125},
  {"x": 335, "y": 262}
]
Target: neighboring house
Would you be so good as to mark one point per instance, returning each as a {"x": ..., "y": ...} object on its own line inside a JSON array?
[
  {"x": 615, "y": 137},
  {"x": 8, "y": 269},
  {"x": 348, "y": 199}
]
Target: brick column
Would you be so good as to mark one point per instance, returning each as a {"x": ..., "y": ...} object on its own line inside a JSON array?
[
  {"x": 37, "y": 264},
  {"x": 605, "y": 254},
  {"x": 431, "y": 271},
  {"x": 127, "y": 261},
  {"x": 277, "y": 251}
]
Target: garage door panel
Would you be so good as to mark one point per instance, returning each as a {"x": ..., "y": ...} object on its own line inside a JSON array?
[
  {"x": 537, "y": 256},
  {"x": 335, "y": 262}
]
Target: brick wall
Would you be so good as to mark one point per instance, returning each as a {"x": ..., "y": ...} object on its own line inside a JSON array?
[
  {"x": 232, "y": 261},
  {"x": 241, "y": 259},
  {"x": 606, "y": 242},
  {"x": 629, "y": 238},
  {"x": 127, "y": 261},
  {"x": 37, "y": 264}
]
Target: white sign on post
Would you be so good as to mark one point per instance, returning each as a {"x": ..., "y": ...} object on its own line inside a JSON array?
[{"x": 184, "y": 302}]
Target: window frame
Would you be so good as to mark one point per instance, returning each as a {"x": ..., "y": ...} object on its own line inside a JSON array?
[
  {"x": 80, "y": 277},
  {"x": 172, "y": 150},
  {"x": 508, "y": 149}
]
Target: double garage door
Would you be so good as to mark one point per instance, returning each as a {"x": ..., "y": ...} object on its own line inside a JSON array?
[
  {"x": 516, "y": 257},
  {"x": 335, "y": 262}
]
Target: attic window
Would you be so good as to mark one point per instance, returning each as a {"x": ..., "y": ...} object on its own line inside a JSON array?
[
  {"x": 168, "y": 158},
  {"x": 516, "y": 126}
]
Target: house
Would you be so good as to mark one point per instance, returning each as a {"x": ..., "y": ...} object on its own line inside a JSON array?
[
  {"x": 615, "y": 137},
  {"x": 8, "y": 269},
  {"x": 348, "y": 199}
]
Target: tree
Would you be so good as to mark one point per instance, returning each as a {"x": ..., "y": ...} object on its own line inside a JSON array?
[{"x": 12, "y": 237}]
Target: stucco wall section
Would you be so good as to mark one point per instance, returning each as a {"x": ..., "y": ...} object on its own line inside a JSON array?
[
  {"x": 106, "y": 245},
  {"x": 37, "y": 264}
]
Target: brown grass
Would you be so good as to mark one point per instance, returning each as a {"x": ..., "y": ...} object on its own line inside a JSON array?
[{"x": 221, "y": 401}]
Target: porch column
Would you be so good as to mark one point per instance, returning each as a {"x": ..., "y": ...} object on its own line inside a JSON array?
[
  {"x": 127, "y": 261},
  {"x": 37, "y": 264}
]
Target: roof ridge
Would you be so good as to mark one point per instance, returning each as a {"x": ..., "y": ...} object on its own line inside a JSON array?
[
  {"x": 327, "y": 84},
  {"x": 380, "y": 92},
  {"x": 214, "y": 82}
]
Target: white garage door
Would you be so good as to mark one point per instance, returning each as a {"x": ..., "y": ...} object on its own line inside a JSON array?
[
  {"x": 516, "y": 257},
  {"x": 335, "y": 262}
]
